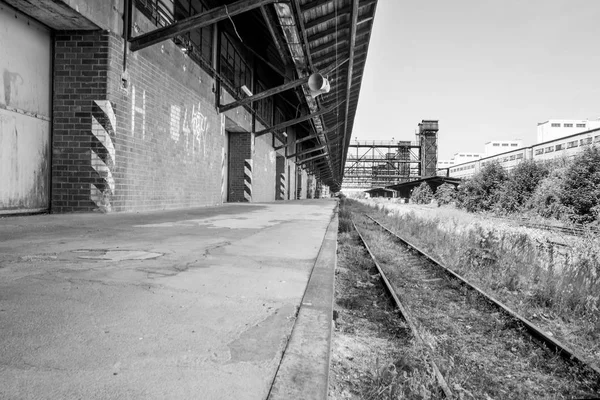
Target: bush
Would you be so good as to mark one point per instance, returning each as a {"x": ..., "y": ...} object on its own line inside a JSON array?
[
  {"x": 482, "y": 191},
  {"x": 445, "y": 194},
  {"x": 581, "y": 186},
  {"x": 520, "y": 185},
  {"x": 545, "y": 200},
  {"x": 422, "y": 194}
]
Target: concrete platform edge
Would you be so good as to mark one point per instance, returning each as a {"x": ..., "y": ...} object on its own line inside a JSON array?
[{"x": 304, "y": 369}]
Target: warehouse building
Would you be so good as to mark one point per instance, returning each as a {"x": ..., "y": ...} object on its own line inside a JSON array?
[{"x": 125, "y": 105}]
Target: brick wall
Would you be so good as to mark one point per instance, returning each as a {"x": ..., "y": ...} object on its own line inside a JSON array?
[
  {"x": 80, "y": 77},
  {"x": 240, "y": 144},
  {"x": 164, "y": 148},
  {"x": 280, "y": 187},
  {"x": 170, "y": 137}
]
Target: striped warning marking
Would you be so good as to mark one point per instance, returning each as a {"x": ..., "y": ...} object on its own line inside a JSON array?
[
  {"x": 222, "y": 174},
  {"x": 282, "y": 186},
  {"x": 248, "y": 180},
  {"x": 103, "y": 153}
]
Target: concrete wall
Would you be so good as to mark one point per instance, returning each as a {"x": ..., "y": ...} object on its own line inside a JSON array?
[
  {"x": 25, "y": 112},
  {"x": 264, "y": 168}
]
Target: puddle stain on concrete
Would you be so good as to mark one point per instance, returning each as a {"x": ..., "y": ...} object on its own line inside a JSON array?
[
  {"x": 263, "y": 341},
  {"x": 116, "y": 255}
]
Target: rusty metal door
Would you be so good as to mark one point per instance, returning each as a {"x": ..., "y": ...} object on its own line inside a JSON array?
[{"x": 25, "y": 112}]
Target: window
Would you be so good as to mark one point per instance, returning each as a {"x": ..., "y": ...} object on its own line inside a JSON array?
[
  {"x": 580, "y": 125},
  {"x": 568, "y": 125},
  {"x": 559, "y": 147},
  {"x": 584, "y": 142},
  {"x": 519, "y": 156},
  {"x": 514, "y": 144},
  {"x": 513, "y": 157},
  {"x": 549, "y": 149},
  {"x": 597, "y": 139},
  {"x": 504, "y": 144},
  {"x": 572, "y": 144},
  {"x": 163, "y": 12},
  {"x": 202, "y": 39},
  {"x": 539, "y": 151},
  {"x": 233, "y": 65},
  {"x": 496, "y": 144},
  {"x": 264, "y": 107},
  {"x": 469, "y": 155},
  {"x": 555, "y": 125}
]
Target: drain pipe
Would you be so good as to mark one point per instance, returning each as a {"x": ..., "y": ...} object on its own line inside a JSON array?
[{"x": 126, "y": 34}]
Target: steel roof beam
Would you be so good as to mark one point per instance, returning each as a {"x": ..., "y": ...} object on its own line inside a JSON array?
[
  {"x": 354, "y": 19},
  {"x": 275, "y": 90},
  {"x": 297, "y": 120},
  {"x": 197, "y": 21}
]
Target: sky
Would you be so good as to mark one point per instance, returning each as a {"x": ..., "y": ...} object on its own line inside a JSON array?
[{"x": 486, "y": 69}]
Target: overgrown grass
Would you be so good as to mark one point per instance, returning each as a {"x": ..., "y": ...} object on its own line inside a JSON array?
[
  {"x": 398, "y": 370},
  {"x": 561, "y": 282}
]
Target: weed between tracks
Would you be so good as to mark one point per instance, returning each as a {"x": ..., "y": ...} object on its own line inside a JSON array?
[
  {"x": 373, "y": 355},
  {"x": 557, "y": 288}
]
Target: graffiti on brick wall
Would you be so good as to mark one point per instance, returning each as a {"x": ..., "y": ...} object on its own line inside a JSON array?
[
  {"x": 198, "y": 124},
  {"x": 103, "y": 154},
  {"x": 192, "y": 124},
  {"x": 136, "y": 109},
  {"x": 175, "y": 122}
]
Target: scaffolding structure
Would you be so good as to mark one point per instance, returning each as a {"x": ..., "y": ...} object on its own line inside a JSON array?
[
  {"x": 380, "y": 163},
  {"x": 428, "y": 130}
]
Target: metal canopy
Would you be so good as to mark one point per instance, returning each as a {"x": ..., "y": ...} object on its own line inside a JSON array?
[
  {"x": 330, "y": 31},
  {"x": 309, "y": 36}
]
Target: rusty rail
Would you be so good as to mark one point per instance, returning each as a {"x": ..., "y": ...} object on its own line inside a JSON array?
[
  {"x": 407, "y": 317},
  {"x": 533, "y": 330}
]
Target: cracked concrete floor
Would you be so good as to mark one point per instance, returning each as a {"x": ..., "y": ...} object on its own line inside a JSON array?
[{"x": 176, "y": 304}]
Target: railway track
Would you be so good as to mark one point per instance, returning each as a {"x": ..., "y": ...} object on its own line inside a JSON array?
[{"x": 479, "y": 348}]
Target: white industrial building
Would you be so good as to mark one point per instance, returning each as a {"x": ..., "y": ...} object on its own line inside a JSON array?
[
  {"x": 501, "y": 146},
  {"x": 559, "y": 128}
]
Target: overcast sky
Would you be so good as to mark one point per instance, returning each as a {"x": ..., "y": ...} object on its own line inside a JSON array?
[{"x": 486, "y": 69}]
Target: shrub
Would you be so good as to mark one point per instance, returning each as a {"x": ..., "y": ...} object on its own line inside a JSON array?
[
  {"x": 482, "y": 191},
  {"x": 422, "y": 194},
  {"x": 581, "y": 186},
  {"x": 546, "y": 198},
  {"x": 445, "y": 194},
  {"x": 520, "y": 185}
]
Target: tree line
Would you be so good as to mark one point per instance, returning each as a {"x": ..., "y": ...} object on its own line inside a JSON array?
[{"x": 565, "y": 189}]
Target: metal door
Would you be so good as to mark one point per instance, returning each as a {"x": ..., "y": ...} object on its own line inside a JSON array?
[{"x": 25, "y": 111}]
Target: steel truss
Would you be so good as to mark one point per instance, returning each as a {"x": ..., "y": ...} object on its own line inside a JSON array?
[{"x": 380, "y": 163}]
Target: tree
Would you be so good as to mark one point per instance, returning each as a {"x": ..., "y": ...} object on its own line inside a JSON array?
[
  {"x": 482, "y": 191},
  {"x": 581, "y": 185},
  {"x": 546, "y": 198},
  {"x": 445, "y": 194},
  {"x": 520, "y": 185},
  {"x": 422, "y": 194}
]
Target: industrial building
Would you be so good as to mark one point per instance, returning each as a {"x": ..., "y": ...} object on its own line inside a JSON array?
[
  {"x": 140, "y": 105},
  {"x": 567, "y": 146},
  {"x": 372, "y": 164},
  {"x": 558, "y": 128}
]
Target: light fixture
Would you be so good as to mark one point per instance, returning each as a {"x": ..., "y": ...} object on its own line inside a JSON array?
[{"x": 246, "y": 90}]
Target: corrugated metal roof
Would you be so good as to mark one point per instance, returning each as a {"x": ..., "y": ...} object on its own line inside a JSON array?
[{"x": 332, "y": 31}]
